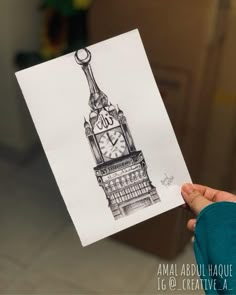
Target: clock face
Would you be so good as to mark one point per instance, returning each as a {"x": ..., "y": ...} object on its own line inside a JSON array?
[{"x": 112, "y": 144}]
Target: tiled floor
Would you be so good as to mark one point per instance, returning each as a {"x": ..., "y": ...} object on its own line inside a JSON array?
[{"x": 40, "y": 252}]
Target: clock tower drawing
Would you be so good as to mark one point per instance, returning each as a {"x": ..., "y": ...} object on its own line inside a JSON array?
[{"x": 121, "y": 169}]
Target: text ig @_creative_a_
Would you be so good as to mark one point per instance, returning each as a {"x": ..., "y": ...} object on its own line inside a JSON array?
[{"x": 191, "y": 277}]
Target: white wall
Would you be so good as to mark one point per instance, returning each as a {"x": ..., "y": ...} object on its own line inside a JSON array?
[{"x": 19, "y": 30}]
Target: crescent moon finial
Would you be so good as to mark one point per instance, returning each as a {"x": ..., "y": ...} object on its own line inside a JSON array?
[{"x": 82, "y": 60}]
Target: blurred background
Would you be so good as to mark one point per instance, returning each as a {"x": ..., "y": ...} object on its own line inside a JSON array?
[{"x": 191, "y": 47}]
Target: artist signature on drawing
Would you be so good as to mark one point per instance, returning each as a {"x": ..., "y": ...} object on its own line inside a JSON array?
[{"x": 167, "y": 181}]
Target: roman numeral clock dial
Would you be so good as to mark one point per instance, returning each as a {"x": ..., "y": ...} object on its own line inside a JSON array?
[{"x": 112, "y": 144}]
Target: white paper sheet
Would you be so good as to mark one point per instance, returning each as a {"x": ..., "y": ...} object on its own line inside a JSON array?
[{"x": 132, "y": 189}]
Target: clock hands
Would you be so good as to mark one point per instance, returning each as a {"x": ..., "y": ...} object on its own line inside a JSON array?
[
  {"x": 113, "y": 143},
  {"x": 117, "y": 139},
  {"x": 109, "y": 138}
]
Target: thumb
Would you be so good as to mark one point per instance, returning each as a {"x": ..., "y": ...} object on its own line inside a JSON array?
[{"x": 195, "y": 200}]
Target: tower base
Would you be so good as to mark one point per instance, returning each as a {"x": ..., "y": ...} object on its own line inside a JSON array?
[{"x": 131, "y": 206}]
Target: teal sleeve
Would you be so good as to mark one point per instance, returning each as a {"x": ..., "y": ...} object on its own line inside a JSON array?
[{"x": 215, "y": 247}]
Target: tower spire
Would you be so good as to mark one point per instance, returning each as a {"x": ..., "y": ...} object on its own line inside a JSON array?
[{"x": 98, "y": 99}]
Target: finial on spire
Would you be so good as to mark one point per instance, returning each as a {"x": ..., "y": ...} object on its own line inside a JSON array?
[{"x": 83, "y": 60}]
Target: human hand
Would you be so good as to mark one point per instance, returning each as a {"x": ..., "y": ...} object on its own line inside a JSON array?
[{"x": 197, "y": 197}]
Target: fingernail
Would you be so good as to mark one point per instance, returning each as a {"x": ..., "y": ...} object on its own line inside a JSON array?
[
  {"x": 187, "y": 188},
  {"x": 192, "y": 239}
]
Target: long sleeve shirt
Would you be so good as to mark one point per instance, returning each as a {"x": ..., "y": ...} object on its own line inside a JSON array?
[{"x": 215, "y": 247}]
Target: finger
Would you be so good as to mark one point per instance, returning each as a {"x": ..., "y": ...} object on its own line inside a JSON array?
[
  {"x": 213, "y": 194},
  {"x": 195, "y": 200},
  {"x": 220, "y": 196},
  {"x": 191, "y": 224}
]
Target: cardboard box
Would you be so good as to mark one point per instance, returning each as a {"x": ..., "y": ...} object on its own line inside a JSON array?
[
  {"x": 177, "y": 36},
  {"x": 184, "y": 41},
  {"x": 219, "y": 158}
]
